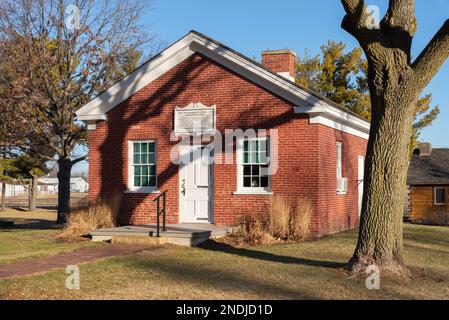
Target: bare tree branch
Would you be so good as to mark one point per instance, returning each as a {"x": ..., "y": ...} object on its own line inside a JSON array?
[
  {"x": 432, "y": 57},
  {"x": 82, "y": 158},
  {"x": 360, "y": 23}
]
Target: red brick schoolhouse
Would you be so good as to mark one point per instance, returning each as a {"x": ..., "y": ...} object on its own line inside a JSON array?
[{"x": 135, "y": 129}]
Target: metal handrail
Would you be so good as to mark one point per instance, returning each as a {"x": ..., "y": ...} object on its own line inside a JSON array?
[{"x": 160, "y": 211}]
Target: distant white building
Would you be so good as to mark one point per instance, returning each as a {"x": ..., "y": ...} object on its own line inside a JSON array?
[
  {"x": 47, "y": 186},
  {"x": 13, "y": 190},
  {"x": 50, "y": 185},
  {"x": 78, "y": 185}
]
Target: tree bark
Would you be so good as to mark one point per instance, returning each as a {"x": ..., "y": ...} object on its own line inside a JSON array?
[
  {"x": 64, "y": 172},
  {"x": 380, "y": 234},
  {"x": 33, "y": 190},
  {"x": 3, "y": 205}
]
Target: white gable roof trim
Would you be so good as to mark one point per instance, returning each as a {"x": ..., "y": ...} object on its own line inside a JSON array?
[{"x": 193, "y": 42}]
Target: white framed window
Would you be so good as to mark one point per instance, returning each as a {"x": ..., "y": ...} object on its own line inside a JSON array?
[
  {"x": 342, "y": 183},
  {"x": 339, "y": 161},
  {"x": 253, "y": 156},
  {"x": 142, "y": 173},
  {"x": 439, "y": 196}
]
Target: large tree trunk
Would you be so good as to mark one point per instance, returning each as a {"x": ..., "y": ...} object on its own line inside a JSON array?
[
  {"x": 64, "y": 172},
  {"x": 32, "y": 196},
  {"x": 380, "y": 235},
  {"x": 395, "y": 84},
  {"x": 3, "y": 205}
]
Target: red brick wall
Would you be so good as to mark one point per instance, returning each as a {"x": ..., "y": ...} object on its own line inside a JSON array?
[
  {"x": 335, "y": 212},
  {"x": 306, "y": 152}
]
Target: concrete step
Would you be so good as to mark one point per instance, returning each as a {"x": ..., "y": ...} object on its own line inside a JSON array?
[
  {"x": 180, "y": 234},
  {"x": 139, "y": 240}
]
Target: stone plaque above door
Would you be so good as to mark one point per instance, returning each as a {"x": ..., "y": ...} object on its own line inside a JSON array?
[{"x": 196, "y": 118}]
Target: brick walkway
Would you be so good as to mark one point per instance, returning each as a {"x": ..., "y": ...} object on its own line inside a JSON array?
[{"x": 62, "y": 260}]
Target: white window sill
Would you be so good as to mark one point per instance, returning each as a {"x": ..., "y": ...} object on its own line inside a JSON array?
[
  {"x": 142, "y": 191},
  {"x": 252, "y": 193},
  {"x": 341, "y": 193}
]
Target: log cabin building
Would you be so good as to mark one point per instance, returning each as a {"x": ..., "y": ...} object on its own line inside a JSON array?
[{"x": 428, "y": 182}]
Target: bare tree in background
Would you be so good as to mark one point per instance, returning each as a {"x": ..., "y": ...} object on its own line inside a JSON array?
[
  {"x": 66, "y": 53},
  {"x": 395, "y": 83}
]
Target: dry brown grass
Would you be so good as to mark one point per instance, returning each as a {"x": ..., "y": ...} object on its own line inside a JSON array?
[
  {"x": 282, "y": 223},
  {"x": 300, "y": 219},
  {"x": 251, "y": 230},
  {"x": 103, "y": 214},
  {"x": 438, "y": 218},
  {"x": 278, "y": 217},
  {"x": 287, "y": 271}
]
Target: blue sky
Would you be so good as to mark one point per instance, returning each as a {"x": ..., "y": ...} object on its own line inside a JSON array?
[{"x": 251, "y": 26}]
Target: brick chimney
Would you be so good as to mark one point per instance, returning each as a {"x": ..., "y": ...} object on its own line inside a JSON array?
[
  {"x": 281, "y": 62},
  {"x": 425, "y": 149}
]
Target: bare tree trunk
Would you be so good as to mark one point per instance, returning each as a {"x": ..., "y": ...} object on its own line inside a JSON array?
[
  {"x": 3, "y": 206},
  {"x": 395, "y": 84},
  {"x": 64, "y": 172},
  {"x": 32, "y": 198},
  {"x": 380, "y": 236}
]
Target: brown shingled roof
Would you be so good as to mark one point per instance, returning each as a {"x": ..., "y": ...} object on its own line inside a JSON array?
[{"x": 429, "y": 170}]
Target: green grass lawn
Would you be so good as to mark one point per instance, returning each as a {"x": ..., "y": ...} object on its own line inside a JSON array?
[{"x": 215, "y": 271}]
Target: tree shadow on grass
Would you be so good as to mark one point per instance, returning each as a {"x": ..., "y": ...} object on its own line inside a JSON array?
[
  {"x": 221, "y": 279},
  {"x": 28, "y": 224},
  {"x": 266, "y": 256}
]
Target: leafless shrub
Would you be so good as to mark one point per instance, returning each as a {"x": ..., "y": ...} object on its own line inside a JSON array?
[
  {"x": 251, "y": 230},
  {"x": 103, "y": 214},
  {"x": 278, "y": 217},
  {"x": 282, "y": 223},
  {"x": 300, "y": 219}
]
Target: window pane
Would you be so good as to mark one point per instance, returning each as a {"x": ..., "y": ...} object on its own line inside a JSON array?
[
  {"x": 152, "y": 158},
  {"x": 263, "y": 145},
  {"x": 145, "y": 181},
  {"x": 152, "y": 182},
  {"x": 339, "y": 160},
  {"x": 145, "y": 170},
  {"x": 153, "y": 170},
  {"x": 144, "y": 148},
  {"x": 252, "y": 157},
  {"x": 440, "y": 196},
  {"x": 151, "y": 147},
  {"x": 255, "y": 170},
  {"x": 255, "y": 182},
  {"x": 245, "y": 145},
  {"x": 137, "y": 181},
  {"x": 264, "y": 170},
  {"x": 247, "y": 170},
  {"x": 245, "y": 157},
  {"x": 136, "y": 158},
  {"x": 137, "y": 170},
  {"x": 264, "y": 182},
  {"x": 263, "y": 157},
  {"x": 247, "y": 182},
  {"x": 136, "y": 147},
  {"x": 144, "y": 158},
  {"x": 253, "y": 146}
]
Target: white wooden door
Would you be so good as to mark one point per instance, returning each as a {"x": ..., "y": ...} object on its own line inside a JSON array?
[
  {"x": 195, "y": 186},
  {"x": 361, "y": 174}
]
